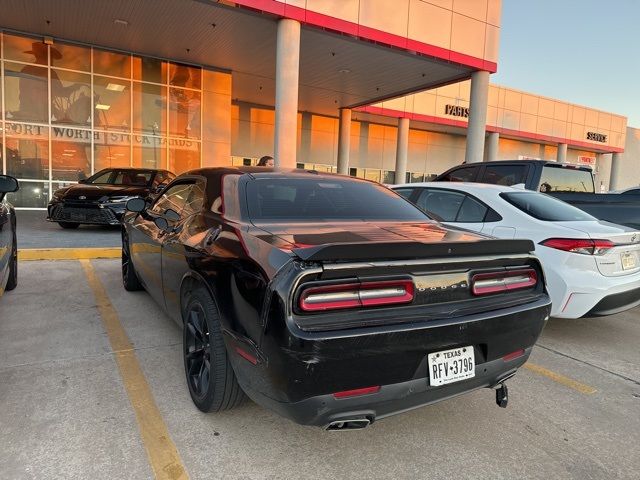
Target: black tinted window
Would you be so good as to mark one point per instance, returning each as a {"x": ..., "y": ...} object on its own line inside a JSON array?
[
  {"x": 122, "y": 177},
  {"x": 307, "y": 199},
  {"x": 444, "y": 205},
  {"x": 471, "y": 211},
  {"x": 544, "y": 207},
  {"x": 405, "y": 192},
  {"x": 463, "y": 174},
  {"x": 563, "y": 179},
  {"x": 635, "y": 191},
  {"x": 505, "y": 174}
]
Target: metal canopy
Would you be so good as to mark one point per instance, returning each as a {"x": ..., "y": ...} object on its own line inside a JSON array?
[{"x": 335, "y": 70}]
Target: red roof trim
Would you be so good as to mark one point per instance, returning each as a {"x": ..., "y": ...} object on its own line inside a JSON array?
[
  {"x": 366, "y": 33},
  {"x": 389, "y": 112}
]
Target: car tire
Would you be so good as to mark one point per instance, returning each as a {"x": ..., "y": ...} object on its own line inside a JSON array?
[
  {"x": 68, "y": 225},
  {"x": 130, "y": 279},
  {"x": 12, "y": 282},
  {"x": 210, "y": 378}
]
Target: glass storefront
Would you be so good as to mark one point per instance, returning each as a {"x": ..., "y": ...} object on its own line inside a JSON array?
[{"x": 70, "y": 110}]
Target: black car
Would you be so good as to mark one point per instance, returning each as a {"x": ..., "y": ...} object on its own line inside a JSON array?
[
  {"x": 330, "y": 300},
  {"x": 8, "y": 242},
  {"x": 101, "y": 198}
]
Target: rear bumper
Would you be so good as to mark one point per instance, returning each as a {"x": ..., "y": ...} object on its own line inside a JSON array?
[
  {"x": 616, "y": 303},
  {"x": 321, "y": 410},
  {"x": 297, "y": 373}
]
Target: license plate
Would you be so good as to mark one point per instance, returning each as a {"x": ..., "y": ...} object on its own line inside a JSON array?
[
  {"x": 628, "y": 260},
  {"x": 451, "y": 366}
]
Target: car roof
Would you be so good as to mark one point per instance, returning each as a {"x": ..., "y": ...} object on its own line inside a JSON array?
[
  {"x": 464, "y": 186},
  {"x": 269, "y": 172}
]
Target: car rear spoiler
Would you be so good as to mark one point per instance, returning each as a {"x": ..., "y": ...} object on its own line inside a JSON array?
[{"x": 411, "y": 250}]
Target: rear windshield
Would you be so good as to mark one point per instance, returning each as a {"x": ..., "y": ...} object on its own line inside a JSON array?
[
  {"x": 563, "y": 179},
  {"x": 544, "y": 207},
  {"x": 300, "y": 200}
]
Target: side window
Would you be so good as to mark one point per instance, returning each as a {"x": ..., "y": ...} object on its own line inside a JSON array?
[
  {"x": 462, "y": 174},
  {"x": 173, "y": 198},
  {"x": 471, "y": 211},
  {"x": 505, "y": 174},
  {"x": 443, "y": 205},
  {"x": 405, "y": 192},
  {"x": 195, "y": 201}
]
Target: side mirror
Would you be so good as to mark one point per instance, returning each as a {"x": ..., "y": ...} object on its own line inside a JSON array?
[
  {"x": 82, "y": 180},
  {"x": 171, "y": 215},
  {"x": 159, "y": 188},
  {"x": 162, "y": 224},
  {"x": 136, "y": 205},
  {"x": 8, "y": 184}
]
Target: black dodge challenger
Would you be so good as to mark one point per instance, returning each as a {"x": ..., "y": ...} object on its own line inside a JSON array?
[
  {"x": 8, "y": 242},
  {"x": 101, "y": 198},
  {"x": 330, "y": 300}
]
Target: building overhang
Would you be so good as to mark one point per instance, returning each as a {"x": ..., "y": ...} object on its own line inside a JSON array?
[{"x": 338, "y": 67}]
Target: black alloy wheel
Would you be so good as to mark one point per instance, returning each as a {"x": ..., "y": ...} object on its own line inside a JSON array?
[
  {"x": 12, "y": 282},
  {"x": 211, "y": 380},
  {"x": 129, "y": 276},
  {"x": 69, "y": 225}
]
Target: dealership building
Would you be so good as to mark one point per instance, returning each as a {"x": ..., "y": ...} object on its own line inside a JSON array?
[{"x": 392, "y": 91}]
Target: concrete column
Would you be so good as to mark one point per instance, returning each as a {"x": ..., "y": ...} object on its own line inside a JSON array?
[
  {"x": 477, "y": 117},
  {"x": 562, "y": 153},
  {"x": 287, "y": 72},
  {"x": 344, "y": 139},
  {"x": 492, "y": 146},
  {"x": 402, "y": 151},
  {"x": 616, "y": 168}
]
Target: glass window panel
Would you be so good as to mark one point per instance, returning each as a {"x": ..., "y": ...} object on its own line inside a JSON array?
[
  {"x": 184, "y": 157},
  {"x": 505, "y": 174},
  {"x": 73, "y": 57},
  {"x": 149, "y": 103},
  {"x": 149, "y": 152},
  {"x": 26, "y": 92},
  {"x": 70, "y": 98},
  {"x": 27, "y": 151},
  {"x": 184, "y": 76},
  {"x": 184, "y": 113},
  {"x": 149, "y": 70},
  {"x": 112, "y": 103},
  {"x": 111, "y": 63},
  {"x": 417, "y": 177},
  {"x": 70, "y": 154},
  {"x": 110, "y": 150},
  {"x": 25, "y": 49},
  {"x": 389, "y": 177},
  {"x": 442, "y": 205},
  {"x": 371, "y": 174},
  {"x": 30, "y": 195}
]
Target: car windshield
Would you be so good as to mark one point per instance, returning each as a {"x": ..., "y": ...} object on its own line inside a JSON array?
[
  {"x": 544, "y": 207},
  {"x": 305, "y": 199},
  {"x": 140, "y": 178}
]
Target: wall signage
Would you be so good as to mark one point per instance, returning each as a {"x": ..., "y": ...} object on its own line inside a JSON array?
[
  {"x": 584, "y": 160},
  {"x": 456, "y": 111},
  {"x": 597, "y": 137}
]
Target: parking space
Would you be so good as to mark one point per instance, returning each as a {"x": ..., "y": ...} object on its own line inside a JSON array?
[{"x": 69, "y": 409}]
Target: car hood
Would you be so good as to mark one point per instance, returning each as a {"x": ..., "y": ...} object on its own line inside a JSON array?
[{"x": 101, "y": 192}]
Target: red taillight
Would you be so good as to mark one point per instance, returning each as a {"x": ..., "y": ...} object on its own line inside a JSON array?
[
  {"x": 356, "y": 295},
  {"x": 357, "y": 392},
  {"x": 513, "y": 355},
  {"x": 495, "y": 282},
  {"x": 579, "y": 245}
]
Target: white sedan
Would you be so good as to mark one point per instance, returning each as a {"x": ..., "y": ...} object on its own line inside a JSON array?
[{"x": 592, "y": 267}]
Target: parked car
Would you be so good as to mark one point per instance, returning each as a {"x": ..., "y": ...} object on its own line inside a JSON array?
[
  {"x": 330, "y": 300},
  {"x": 592, "y": 267},
  {"x": 570, "y": 183},
  {"x": 8, "y": 241},
  {"x": 101, "y": 198}
]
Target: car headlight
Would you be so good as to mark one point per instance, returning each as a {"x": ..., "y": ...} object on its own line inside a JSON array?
[{"x": 118, "y": 200}]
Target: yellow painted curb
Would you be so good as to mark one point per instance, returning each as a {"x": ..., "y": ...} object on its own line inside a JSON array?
[{"x": 68, "y": 253}]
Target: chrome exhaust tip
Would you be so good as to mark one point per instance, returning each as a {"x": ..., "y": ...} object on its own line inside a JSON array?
[{"x": 348, "y": 424}]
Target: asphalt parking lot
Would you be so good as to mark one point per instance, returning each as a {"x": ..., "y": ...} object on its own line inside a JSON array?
[{"x": 77, "y": 353}]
